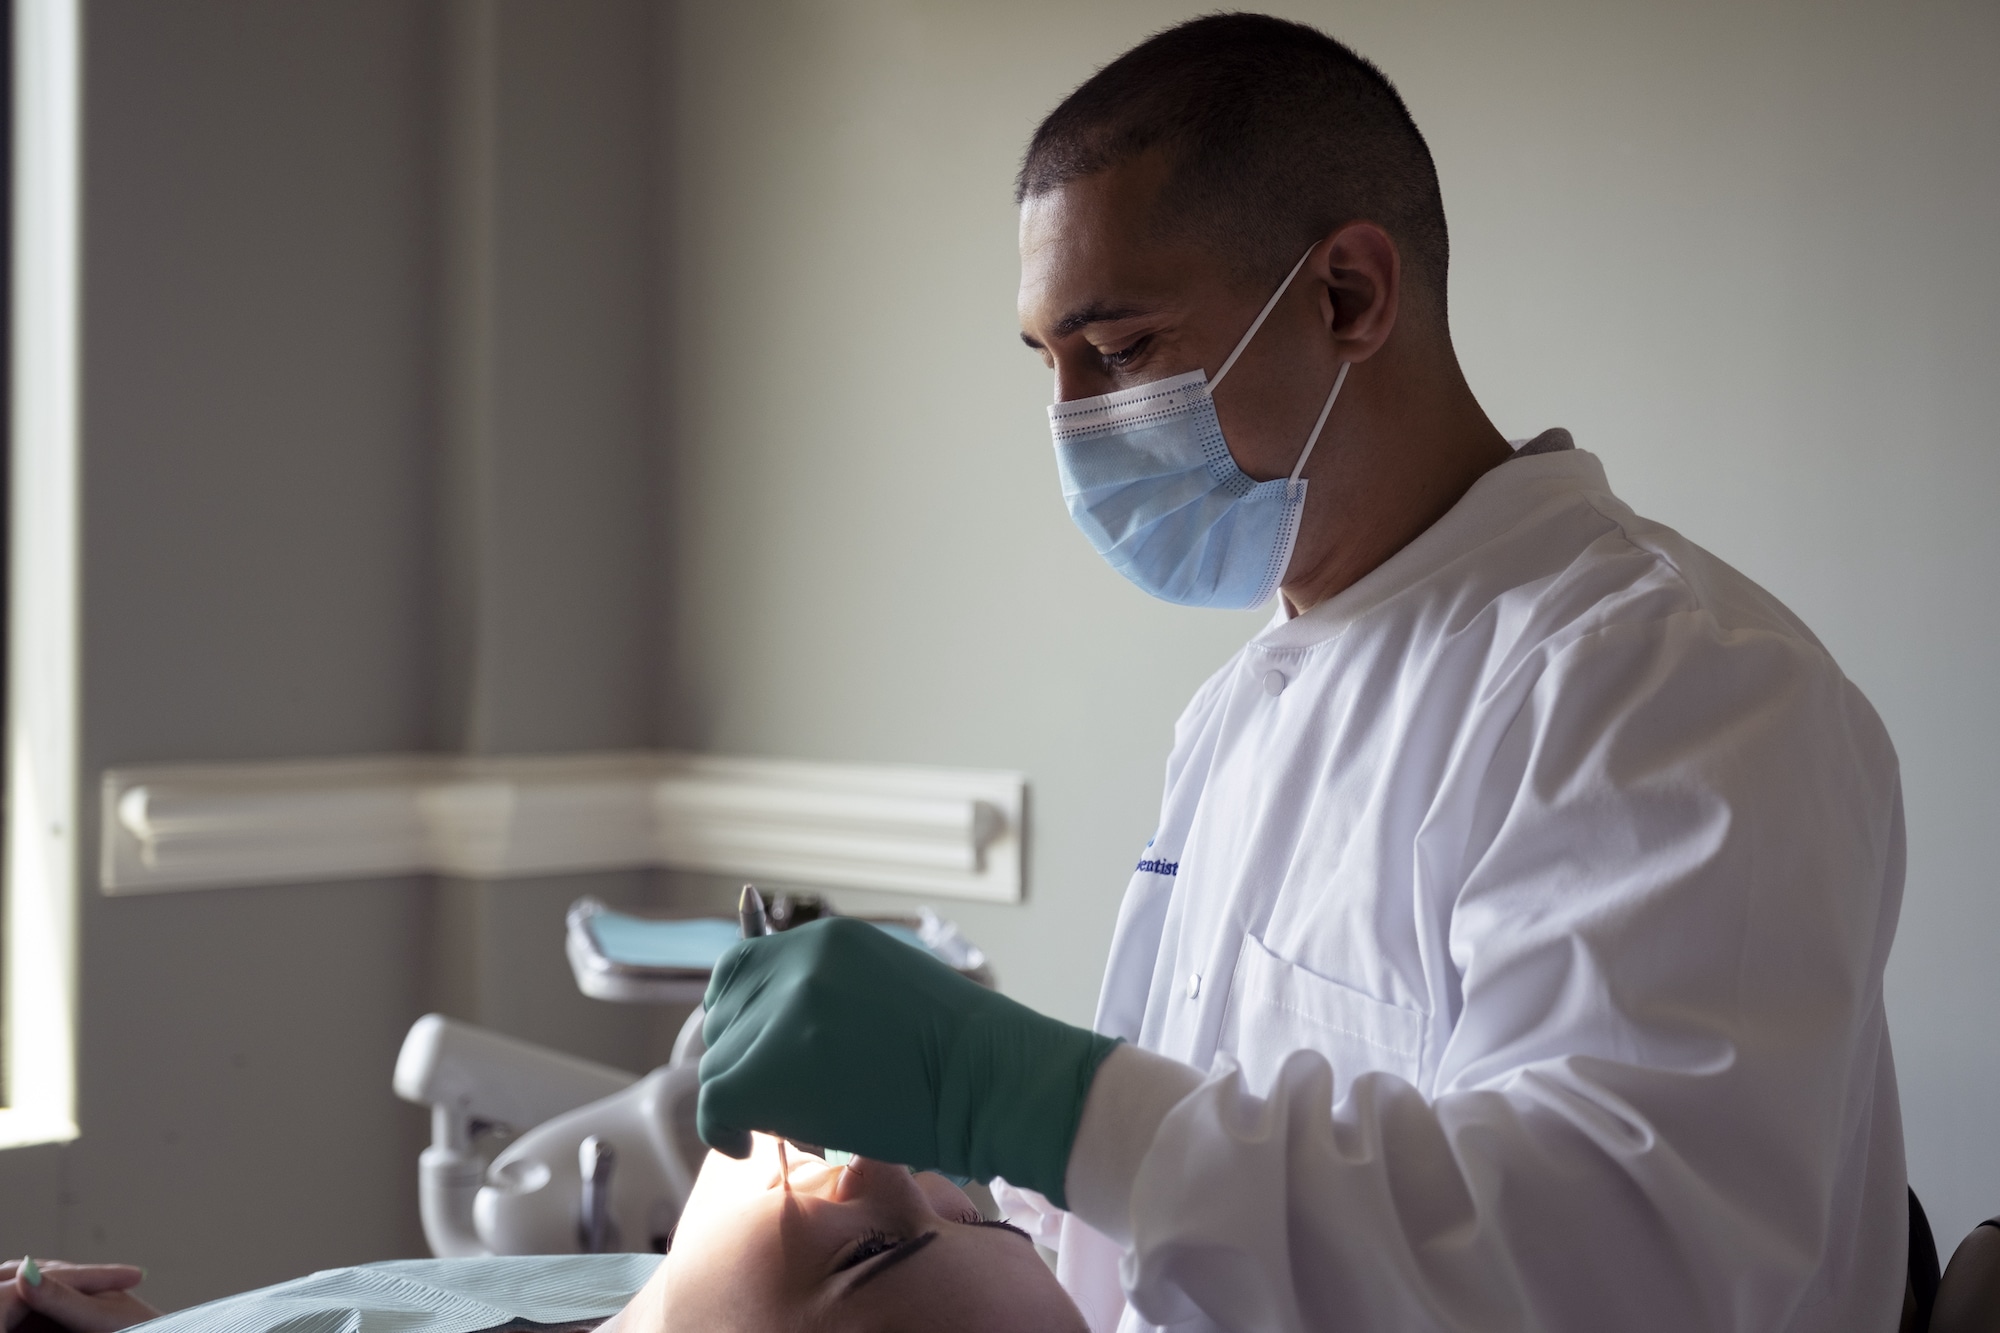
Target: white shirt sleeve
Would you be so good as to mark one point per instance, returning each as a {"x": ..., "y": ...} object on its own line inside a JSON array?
[{"x": 1666, "y": 1101}]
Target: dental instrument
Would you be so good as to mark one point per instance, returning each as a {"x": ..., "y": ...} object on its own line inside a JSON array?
[
  {"x": 750, "y": 913},
  {"x": 755, "y": 922}
]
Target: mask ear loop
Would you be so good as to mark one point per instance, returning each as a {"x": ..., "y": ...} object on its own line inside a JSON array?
[
  {"x": 1313, "y": 439},
  {"x": 1262, "y": 315}
]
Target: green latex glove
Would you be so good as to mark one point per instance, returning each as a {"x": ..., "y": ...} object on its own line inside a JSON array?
[{"x": 837, "y": 1034}]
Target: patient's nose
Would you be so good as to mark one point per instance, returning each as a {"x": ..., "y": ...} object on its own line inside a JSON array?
[
  {"x": 886, "y": 1185},
  {"x": 864, "y": 1179}
]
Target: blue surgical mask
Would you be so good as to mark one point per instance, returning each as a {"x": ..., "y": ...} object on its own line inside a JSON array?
[{"x": 1148, "y": 477}]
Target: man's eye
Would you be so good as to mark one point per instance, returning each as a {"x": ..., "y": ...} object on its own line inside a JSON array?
[{"x": 1125, "y": 355}]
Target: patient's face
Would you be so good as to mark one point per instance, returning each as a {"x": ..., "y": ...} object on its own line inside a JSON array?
[{"x": 865, "y": 1246}]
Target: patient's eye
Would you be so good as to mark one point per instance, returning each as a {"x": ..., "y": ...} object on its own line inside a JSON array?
[
  {"x": 1002, "y": 1224},
  {"x": 871, "y": 1244}
]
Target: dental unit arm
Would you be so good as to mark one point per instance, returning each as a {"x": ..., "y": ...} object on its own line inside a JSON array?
[
  {"x": 471, "y": 1079},
  {"x": 600, "y": 1159}
]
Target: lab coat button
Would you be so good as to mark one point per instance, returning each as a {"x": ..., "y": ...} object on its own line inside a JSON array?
[
  {"x": 1274, "y": 683},
  {"x": 1194, "y": 985}
]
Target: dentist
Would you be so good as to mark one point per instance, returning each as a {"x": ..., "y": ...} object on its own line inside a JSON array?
[{"x": 1509, "y": 951}]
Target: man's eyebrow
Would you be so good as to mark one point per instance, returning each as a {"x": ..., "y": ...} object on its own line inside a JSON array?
[
  {"x": 889, "y": 1259},
  {"x": 1097, "y": 312}
]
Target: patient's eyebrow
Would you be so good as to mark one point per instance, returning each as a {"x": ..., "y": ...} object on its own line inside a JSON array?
[{"x": 889, "y": 1259}]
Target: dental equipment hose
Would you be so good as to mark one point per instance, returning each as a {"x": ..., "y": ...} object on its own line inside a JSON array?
[{"x": 595, "y": 1161}]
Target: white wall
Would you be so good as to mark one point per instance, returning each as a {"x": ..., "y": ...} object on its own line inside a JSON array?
[
  {"x": 1745, "y": 253},
  {"x": 334, "y": 503},
  {"x": 255, "y": 557}
]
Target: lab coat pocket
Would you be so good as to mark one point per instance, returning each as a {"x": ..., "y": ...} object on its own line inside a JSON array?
[{"x": 1276, "y": 1007}]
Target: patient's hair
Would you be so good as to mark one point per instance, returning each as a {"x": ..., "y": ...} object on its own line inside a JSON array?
[{"x": 1276, "y": 135}]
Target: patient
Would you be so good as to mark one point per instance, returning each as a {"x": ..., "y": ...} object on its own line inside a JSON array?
[
  {"x": 862, "y": 1246},
  {"x": 76, "y": 1298}
]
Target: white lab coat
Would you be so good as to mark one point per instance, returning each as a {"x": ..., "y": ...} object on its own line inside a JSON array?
[{"x": 1521, "y": 913}]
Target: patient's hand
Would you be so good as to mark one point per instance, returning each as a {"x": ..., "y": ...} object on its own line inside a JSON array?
[
  {"x": 865, "y": 1246},
  {"x": 80, "y": 1298}
]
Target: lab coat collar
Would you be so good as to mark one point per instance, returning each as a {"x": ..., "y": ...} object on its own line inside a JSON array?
[{"x": 1546, "y": 468}]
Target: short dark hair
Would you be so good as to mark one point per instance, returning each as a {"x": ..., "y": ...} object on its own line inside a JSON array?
[{"x": 1276, "y": 134}]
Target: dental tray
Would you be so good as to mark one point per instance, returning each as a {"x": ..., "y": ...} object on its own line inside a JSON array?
[{"x": 667, "y": 960}]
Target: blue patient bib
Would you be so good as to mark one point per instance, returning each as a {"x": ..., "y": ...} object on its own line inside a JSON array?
[{"x": 429, "y": 1296}]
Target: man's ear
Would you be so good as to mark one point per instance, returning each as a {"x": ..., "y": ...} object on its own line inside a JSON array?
[{"x": 1360, "y": 276}]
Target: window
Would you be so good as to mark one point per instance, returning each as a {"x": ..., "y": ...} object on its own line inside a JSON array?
[
  {"x": 6, "y": 412},
  {"x": 38, "y": 970}
]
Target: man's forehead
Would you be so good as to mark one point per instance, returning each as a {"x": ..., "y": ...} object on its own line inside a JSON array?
[
  {"x": 1117, "y": 203},
  {"x": 1091, "y": 252},
  {"x": 1111, "y": 207},
  {"x": 1066, "y": 285}
]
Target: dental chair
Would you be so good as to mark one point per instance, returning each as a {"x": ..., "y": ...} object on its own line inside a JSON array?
[
  {"x": 1965, "y": 1297},
  {"x": 595, "y": 1160}
]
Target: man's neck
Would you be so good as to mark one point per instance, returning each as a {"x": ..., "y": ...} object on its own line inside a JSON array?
[{"x": 1412, "y": 444}]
